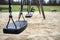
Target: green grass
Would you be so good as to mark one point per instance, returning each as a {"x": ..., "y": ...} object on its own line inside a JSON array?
[
  {"x": 49, "y": 8},
  {"x": 16, "y": 8}
]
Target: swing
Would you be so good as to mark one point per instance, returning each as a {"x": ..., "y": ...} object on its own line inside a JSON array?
[
  {"x": 29, "y": 15},
  {"x": 17, "y": 26}
]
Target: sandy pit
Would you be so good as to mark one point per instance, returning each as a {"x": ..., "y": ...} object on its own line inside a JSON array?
[{"x": 37, "y": 29}]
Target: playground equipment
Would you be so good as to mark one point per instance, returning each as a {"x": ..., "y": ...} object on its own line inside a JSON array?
[
  {"x": 40, "y": 8},
  {"x": 41, "y": 4},
  {"x": 17, "y": 26},
  {"x": 29, "y": 10}
]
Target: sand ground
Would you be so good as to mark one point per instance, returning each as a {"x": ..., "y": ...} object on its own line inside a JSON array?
[{"x": 38, "y": 28}]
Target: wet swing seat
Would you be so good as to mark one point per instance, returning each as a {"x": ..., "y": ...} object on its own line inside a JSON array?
[
  {"x": 15, "y": 27},
  {"x": 28, "y": 15},
  {"x": 21, "y": 25}
]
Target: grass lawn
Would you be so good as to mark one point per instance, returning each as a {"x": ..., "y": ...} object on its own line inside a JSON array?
[{"x": 15, "y": 8}]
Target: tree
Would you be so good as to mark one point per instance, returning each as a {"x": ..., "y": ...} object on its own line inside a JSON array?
[{"x": 3, "y": 2}]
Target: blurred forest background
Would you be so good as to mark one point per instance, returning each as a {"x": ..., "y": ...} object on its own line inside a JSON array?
[{"x": 17, "y": 2}]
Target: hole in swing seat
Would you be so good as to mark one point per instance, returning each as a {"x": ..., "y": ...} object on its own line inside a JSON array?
[
  {"x": 28, "y": 15},
  {"x": 21, "y": 26}
]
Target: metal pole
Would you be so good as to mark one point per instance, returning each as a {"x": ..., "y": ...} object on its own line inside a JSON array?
[
  {"x": 41, "y": 2},
  {"x": 39, "y": 7}
]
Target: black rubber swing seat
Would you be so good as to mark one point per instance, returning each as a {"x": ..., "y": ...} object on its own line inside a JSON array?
[
  {"x": 28, "y": 15},
  {"x": 21, "y": 25}
]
